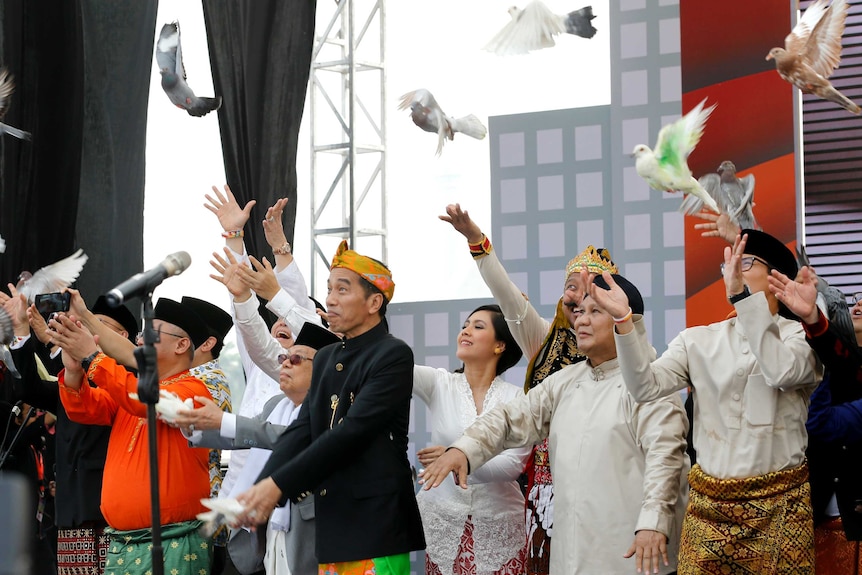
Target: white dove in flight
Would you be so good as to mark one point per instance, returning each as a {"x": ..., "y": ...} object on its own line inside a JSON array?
[
  {"x": 666, "y": 168},
  {"x": 51, "y": 278},
  {"x": 428, "y": 115},
  {"x": 534, "y": 27},
  {"x": 812, "y": 51}
]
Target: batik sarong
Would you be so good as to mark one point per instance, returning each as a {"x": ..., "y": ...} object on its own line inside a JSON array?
[
  {"x": 754, "y": 526},
  {"x": 390, "y": 565},
  {"x": 185, "y": 550}
]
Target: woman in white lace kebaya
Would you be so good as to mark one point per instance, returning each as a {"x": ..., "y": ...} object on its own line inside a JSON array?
[{"x": 480, "y": 530}]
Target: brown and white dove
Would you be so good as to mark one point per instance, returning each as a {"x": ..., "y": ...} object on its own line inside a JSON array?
[
  {"x": 428, "y": 115},
  {"x": 812, "y": 51}
]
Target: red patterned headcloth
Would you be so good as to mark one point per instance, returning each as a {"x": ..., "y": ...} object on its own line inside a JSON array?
[{"x": 373, "y": 271}]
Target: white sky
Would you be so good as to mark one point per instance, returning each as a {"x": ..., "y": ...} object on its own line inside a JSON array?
[{"x": 435, "y": 46}]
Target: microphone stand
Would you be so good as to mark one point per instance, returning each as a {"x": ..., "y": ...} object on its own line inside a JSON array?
[{"x": 148, "y": 393}]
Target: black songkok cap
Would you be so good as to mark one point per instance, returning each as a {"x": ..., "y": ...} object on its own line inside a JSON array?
[
  {"x": 120, "y": 314},
  {"x": 636, "y": 301},
  {"x": 218, "y": 321},
  {"x": 314, "y": 336},
  {"x": 183, "y": 317},
  {"x": 771, "y": 250}
]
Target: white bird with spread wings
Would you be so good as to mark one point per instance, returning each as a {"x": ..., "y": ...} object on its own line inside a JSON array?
[
  {"x": 427, "y": 114},
  {"x": 51, "y": 278},
  {"x": 665, "y": 168}
]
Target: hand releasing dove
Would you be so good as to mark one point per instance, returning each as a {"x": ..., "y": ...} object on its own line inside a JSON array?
[
  {"x": 222, "y": 511},
  {"x": 666, "y": 167},
  {"x": 812, "y": 51},
  {"x": 7, "y": 86},
  {"x": 831, "y": 301},
  {"x": 733, "y": 195},
  {"x": 51, "y": 278},
  {"x": 534, "y": 28},
  {"x": 426, "y": 114},
  {"x": 169, "y": 55},
  {"x": 169, "y": 405}
]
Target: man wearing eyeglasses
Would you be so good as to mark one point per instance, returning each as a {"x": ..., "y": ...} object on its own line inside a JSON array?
[
  {"x": 752, "y": 375},
  {"x": 183, "y": 478}
]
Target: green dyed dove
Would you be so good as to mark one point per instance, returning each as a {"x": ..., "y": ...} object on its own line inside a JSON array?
[{"x": 666, "y": 169}]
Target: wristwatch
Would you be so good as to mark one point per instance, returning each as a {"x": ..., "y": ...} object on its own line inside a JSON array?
[
  {"x": 740, "y": 296},
  {"x": 85, "y": 363}
]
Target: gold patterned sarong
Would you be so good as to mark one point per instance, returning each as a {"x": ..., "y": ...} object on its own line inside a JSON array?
[{"x": 760, "y": 525}]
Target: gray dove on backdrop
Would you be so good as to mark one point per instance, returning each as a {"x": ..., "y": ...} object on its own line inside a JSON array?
[
  {"x": 812, "y": 51},
  {"x": 428, "y": 115},
  {"x": 169, "y": 56},
  {"x": 534, "y": 27},
  {"x": 51, "y": 278},
  {"x": 733, "y": 195},
  {"x": 7, "y": 86},
  {"x": 832, "y": 302}
]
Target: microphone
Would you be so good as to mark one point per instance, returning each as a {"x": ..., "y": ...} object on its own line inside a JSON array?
[{"x": 173, "y": 265}]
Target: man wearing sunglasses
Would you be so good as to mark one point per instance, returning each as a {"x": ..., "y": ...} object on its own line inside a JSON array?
[{"x": 290, "y": 532}]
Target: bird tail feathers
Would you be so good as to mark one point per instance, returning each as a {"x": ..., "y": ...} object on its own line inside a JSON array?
[
  {"x": 578, "y": 22},
  {"x": 470, "y": 126},
  {"x": 833, "y": 95},
  {"x": 691, "y": 205}
]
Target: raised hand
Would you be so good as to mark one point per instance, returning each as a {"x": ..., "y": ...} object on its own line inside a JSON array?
[
  {"x": 15, "y": 305},
  {"x": 227, "y": 210},
  {"x": 461, "y": 221},
  {"x": 261, "y": 279},
  {"x": 614, "y": 301},
  {"x": 38, "y": 324},
  {"x": 719, "y": 226},
  {"x": 226, "y": 268},
  {"x": 800, "y": 296},
  {"x": 71, "y": 335},
  {"x": 733, "y": 280},
  {"x": 273, "y": 227}
]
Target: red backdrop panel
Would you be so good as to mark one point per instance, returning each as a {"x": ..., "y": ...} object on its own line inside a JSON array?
[{"x": 752, "y": 126}]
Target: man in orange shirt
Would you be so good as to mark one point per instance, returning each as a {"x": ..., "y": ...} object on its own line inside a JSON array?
[{"x": 183, "y": 472}]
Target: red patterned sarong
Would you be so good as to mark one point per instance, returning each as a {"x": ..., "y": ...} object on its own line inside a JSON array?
[
  {"x": 834, "y": 553},
  {"x": 754, "y": 526},
  {"x": 81, "y": 551}
]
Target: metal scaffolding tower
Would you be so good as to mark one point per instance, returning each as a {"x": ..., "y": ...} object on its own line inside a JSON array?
[{"x": 348, "y": 132}]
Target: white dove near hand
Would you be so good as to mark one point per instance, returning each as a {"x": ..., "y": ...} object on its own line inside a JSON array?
[
  {"x": 666, "y": 167},
  {"x": 428, "y": 115},
  {"x": 51, "y": 278},
  {"x": 534, "y": 27},
  {"x": 169, "y": 405},
  {"x": 221, "y": 511}
]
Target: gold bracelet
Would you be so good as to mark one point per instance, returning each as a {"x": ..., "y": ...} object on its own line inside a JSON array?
[{"x": 284, "y": 250}]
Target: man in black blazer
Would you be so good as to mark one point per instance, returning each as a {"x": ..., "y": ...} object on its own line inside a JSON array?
[{"x": 349, "y": 443}]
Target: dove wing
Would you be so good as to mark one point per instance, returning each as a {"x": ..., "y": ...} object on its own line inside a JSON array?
[
  {"x": 54, "y": 277},
  {"x": 798, "y": 37},
  {"x": 677, "y": 140},
  {"x": 421, "y": 96},
  {"x": 823, "y": 49},
  {"x": 181, "y": 68},
  {"x": 7, "y": 86},
  {"x": 533, "y": 28},
  {"x": 166, "y": 47}
]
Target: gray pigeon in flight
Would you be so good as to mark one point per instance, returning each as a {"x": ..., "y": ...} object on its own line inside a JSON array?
[
  {"x": 734, "y": 196},
  {"x": 51, "y": 278},
  {"x": 7, "y": 86},
  {"x": 169, "y": 56},
  {"x": 428, "y": 115},
  {"x": 534, "y": 27},
  {"x": 831, "y": 302}
]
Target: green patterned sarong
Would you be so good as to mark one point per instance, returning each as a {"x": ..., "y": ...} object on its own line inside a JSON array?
[
  {"x": 389, "y": 565},
  {"x": 186, "y": 551}
]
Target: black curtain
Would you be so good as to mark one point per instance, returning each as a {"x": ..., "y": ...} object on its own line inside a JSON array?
[
  {"x": 82, "y": 70},
  {"x": 260, "y": 54}
]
